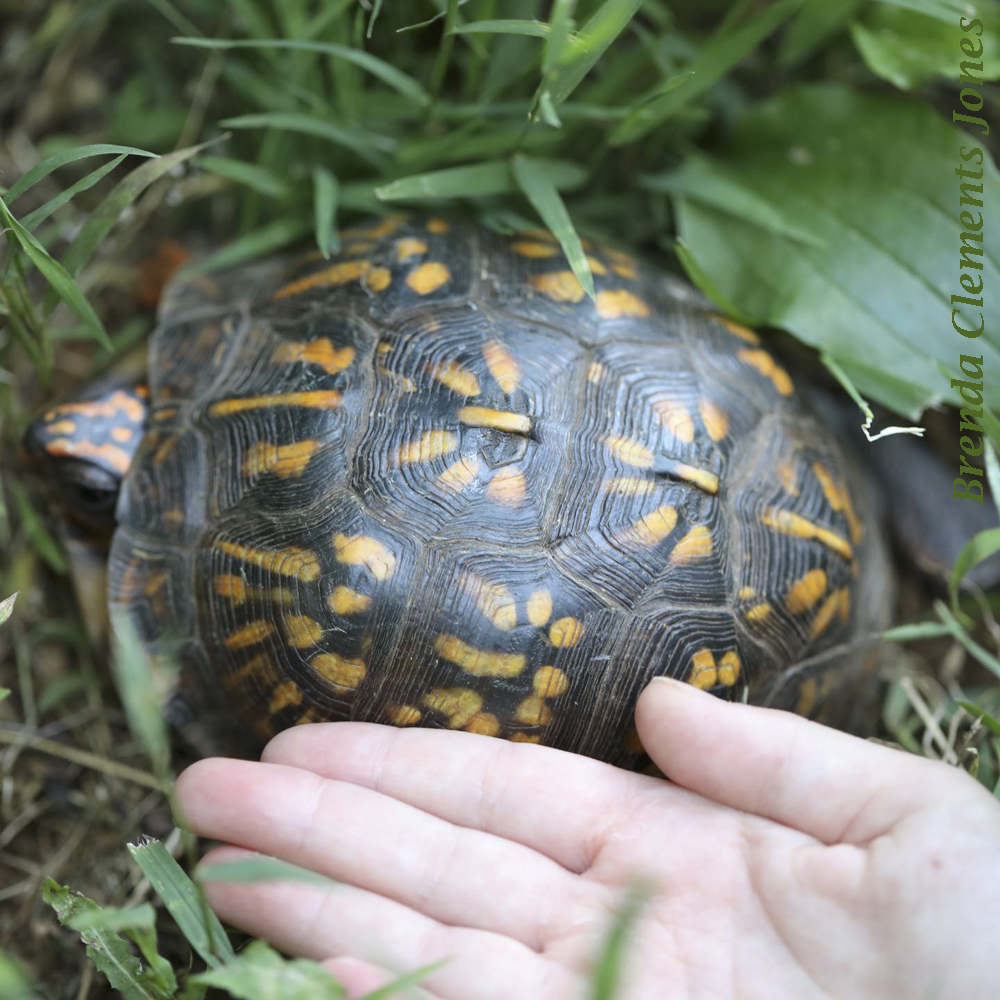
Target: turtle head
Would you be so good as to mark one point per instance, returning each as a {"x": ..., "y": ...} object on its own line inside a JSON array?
[{"x": 82, "y": 449}]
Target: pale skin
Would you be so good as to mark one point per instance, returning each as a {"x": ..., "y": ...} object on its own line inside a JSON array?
[{"x": 787, "y": 860}]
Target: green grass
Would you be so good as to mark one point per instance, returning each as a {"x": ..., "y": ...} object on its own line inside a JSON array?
[{"x": 693, "y": 132}]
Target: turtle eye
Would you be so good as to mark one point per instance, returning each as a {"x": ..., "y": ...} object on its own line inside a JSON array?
[{"x": 93, "y": 499}]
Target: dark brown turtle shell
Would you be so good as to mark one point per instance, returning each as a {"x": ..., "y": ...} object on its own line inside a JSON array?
[{"x": 431, "y": 482}]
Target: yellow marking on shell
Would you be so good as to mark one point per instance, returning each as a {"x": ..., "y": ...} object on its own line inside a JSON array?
[
  {"x": 560, "y": 286},
  {"x": 402, "y": 382},
  {"x": 806, "y": 591},
  {"x": 408, "y": 247},
  {"x": 565, "y": 632},
  {"x": 839, "y": 499},
  {"x": 437, "y": 226},
  {"x": 427, "y": 447},
  {"x": 405, "y": 715},
  {"x": 629, "y": 486},
  {"x": 525, "y": 738},
  {"x": 361, "y": 550},
  {"x": 746, "y": 593},
  {"x": 495, "y": 601},
  {"x": 111, "y": 454},
  {"x": 502, "y": 366},
  {"x": 729, "y": 668},
  {"x": 501, "y": 420},
  {"x": 736, "y": 329},
  {"x": 703, "y": 673},
  {"x": 287, "y": 460},
  {"x": 344, "y": 671},
  {"x": 338, "y": 274},
  {"x": 261, "y": 667},
  {"x": 845, "y": 605},
  {"x": 321, "y": 399},
  {"x": 612, "y": 304},
  {"x": 807, "y": 697},
  {"x": 309, "y": 716},
  {"x": 429, "y": 277},
  {"x": 166, "y": 413},
  {"x": 853, "y": 521},
  {"x": 345, "y": 601},
  {"x": 318, "y": 352},
  {"x": 383, "y": 227},
  {"x": 537, "y": 234},
  {"x": 596, "y": 266},
  {"x": 675, "y": 416},
  {"x": 628, "y": 450},
  {"x": 702, "y": 478},
  {"x": 302, "y": 632},
  {"x": 533, "y": 711},
  {"x": 714, "y": 418},
  {"x": 478, "y": 662},
  {"x": 828, "y": 609},
  {"x": 624, "y": 270},
  {"x": 385, "y": 348},
  {"x": 299, "y": 563},
  {"x": 758, "y": 612},
  {"x": 787, "y": 523},
  {"x": 595, "y": 372},
  {"x": 456, "y": 377},
  {"x": 356, "y": 248},
  {"x": 508, "y": 486},
  {"x": 378, "y": 279},
  {"x": 285, "y": 695},
  {"x": 121, "y": 434},
  {"x": 550, "y": 682},
  {"x": 788, "y": 476},
  {"x": 651, "y": 528},
  {"x": 539, "y": 607},
  {"x": 696, "y": 544},
  {"x": 62, "y": 427},
  {"x": 460, "y": 474},
  {"x": 529, "y": 248},
  {"x": 249, "y": 635},
  {"x": 232, "y": 588},
  {"x": 769, "y": 368},
  {"x": 484, "y": 723},
  {"x": 458, "y": 704},
  {"x": 164, "y": 450}
]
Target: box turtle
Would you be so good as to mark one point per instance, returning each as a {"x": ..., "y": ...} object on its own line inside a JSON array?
[{"x": 431, "y": 482}]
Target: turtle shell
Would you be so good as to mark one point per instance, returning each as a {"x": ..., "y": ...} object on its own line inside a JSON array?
[{"x": 431, "y": 482}]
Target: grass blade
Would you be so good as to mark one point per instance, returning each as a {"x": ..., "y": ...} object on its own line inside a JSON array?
[
  {"x": 976, "y": 550},
  {"x": 916, "y": 632},
  {"x": 355, "y": 139},
  {"x": 325, "y": 192},
  {"x": 561, "y": 21},
  {"x": 404, "y": 982},
  {"x": 250, "y": 175},
  {"x": 274, "y": 236},
  {"x": 984, "y": 717},
  {"x": 955, "y": 627},
  {"x": 57, "y": 160},
  {"x": 262, "y": 869},
  {"x": 39, "y": 215},
  {"x": 607, "y": 975},
  {"x": 537, "y": 29},
  {"x": 538, "y": 188},
  {"x": 7, "y": 607},
  {"x": 476, "y": 180}
]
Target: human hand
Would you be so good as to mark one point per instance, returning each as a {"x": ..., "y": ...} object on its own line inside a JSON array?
[{"x": 788, "y": 860}]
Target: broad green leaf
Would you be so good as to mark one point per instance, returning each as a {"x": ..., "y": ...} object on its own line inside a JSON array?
[
  {"x": 702, "y": 280},
  {"x": 977, "y": 549},
  {"x": 260, "y": 973},
  {"x": 716, "y": 59},
  {"x": 251, "y": 175},
  {"x": 184, "y": 902},
  {"x": 386, "y": 72},
  {"x": 537, "y": 186},
  {"x": 325, "y": 192},
  {"x": 274, "y": 236},
  {"x": 60, "y": 280},
  {"x": 916, "y": 633},
  {"x": 39, "y": 215},
  {"x": 365, "y": 144},
  {"x": 477, "y": 180},
  {"x": 876, "y": 293},
  {"x": 537, "y": 29},
  {"x": 7, "y": 607},
  {"x": 57, "y": 160},
  {"x": 261, "y": 869},
  {"x": 114, "y": 918},
  {"x": 109, "y": 952}
]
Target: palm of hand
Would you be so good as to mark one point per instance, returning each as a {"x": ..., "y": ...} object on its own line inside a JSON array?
[{"x": 794, "y": 862}]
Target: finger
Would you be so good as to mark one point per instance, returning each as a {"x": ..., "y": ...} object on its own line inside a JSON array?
[
  {"x": 370, "y": 840},
  {"x": 360, "y": 978},
  {"x": 557, "y": 803},
  {"x": 835, "y": 787},
  {"x": 346, "y": 922}
]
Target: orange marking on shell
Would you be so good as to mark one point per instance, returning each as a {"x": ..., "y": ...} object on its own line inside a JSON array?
[
  {"x": 565, "y": 632},
  {"x": 807, "y": 697},
  {"x": 318, "y": 352},
  {"x": 758, "y": 612},
  {"x": 508, "y": 486},
  {"x": 806, "y": 591},
  {"x": 382, "y": 228},
  {"x": 409, "y": 247},
  {"x": 232, "y": 588},
  {"x": 260, "y": 667},
  {"x": 287, "y": 460},
  {"x": 625, "y": 271},
  {"x": 560, "y": 286},
  {"x": 361, "y": 550},
  {"x": 287, "y": 694},
  {"x": 309, "y": 716},
  {"x": 249, "y": 635},
  {"x": 788, "y": 477},
  {"x": 321, "y": 399},
  {"x": 550, "y": 682},
  {"x": 540, "y": 607},
  {"x": 703, "y": 673},
  {"x": 62, "y": 427},
  {"x": 715, "y": 419},
  {"x": 302, "y": 632},
  {"x": 736, "y": 329},
  {"x": 501, "y": 420},
  {"x": 537, "y": 234},
  {"x": 478, "y": 662},
  {"x": 729, "y": 668},
  {"x": 378, "y": 279},
  {"x": 525, "y": 738},
  {"x": 345, "y": 601},
  {"x": 839, "y": 499},
  {"x": 533, "y": 711},
  {"x": 702, "y": 478},
  {"x": 110, "y": 454},
  {"x": 629, "y": 451},
  {"x": 459, "y": 475},
  {"x": 427, "y": 447},
  {"x": 344, "y": 671},
  {"x": 828, "y": 610},
  {"x": 651, "y": 528},
  {"x": 788, "y": 523},
  {"x": 613, "y": 304},
  {"x": 119, "y": 402},
  {"x": 355, "y": 248},
  {"x": 165, "y": 413},
  {"x": 437, "y": 226},
  {"x": 502, "y": 365},
  {"x": 696, "y": 544},
  {"x": 596, "y": 266},
  {"x": 299, "y": 563},
  {"x": 456, "y": 377},
  {"x": 495, "y": 601},
  {"x": 769, "y": 368},
  {"x": 405, "y": 715},
  {"x": 483, "y": 723},
  {"x": 629, "y": 486},
  {"x": 675, "y": 416},
  {"x": 338, "y": 274},
  {"x": 429, "y": 277},
  {"x": 458, "y": 704},
  {"x": 122, "y": 434},
  {"x": 529, "y": 248}
]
